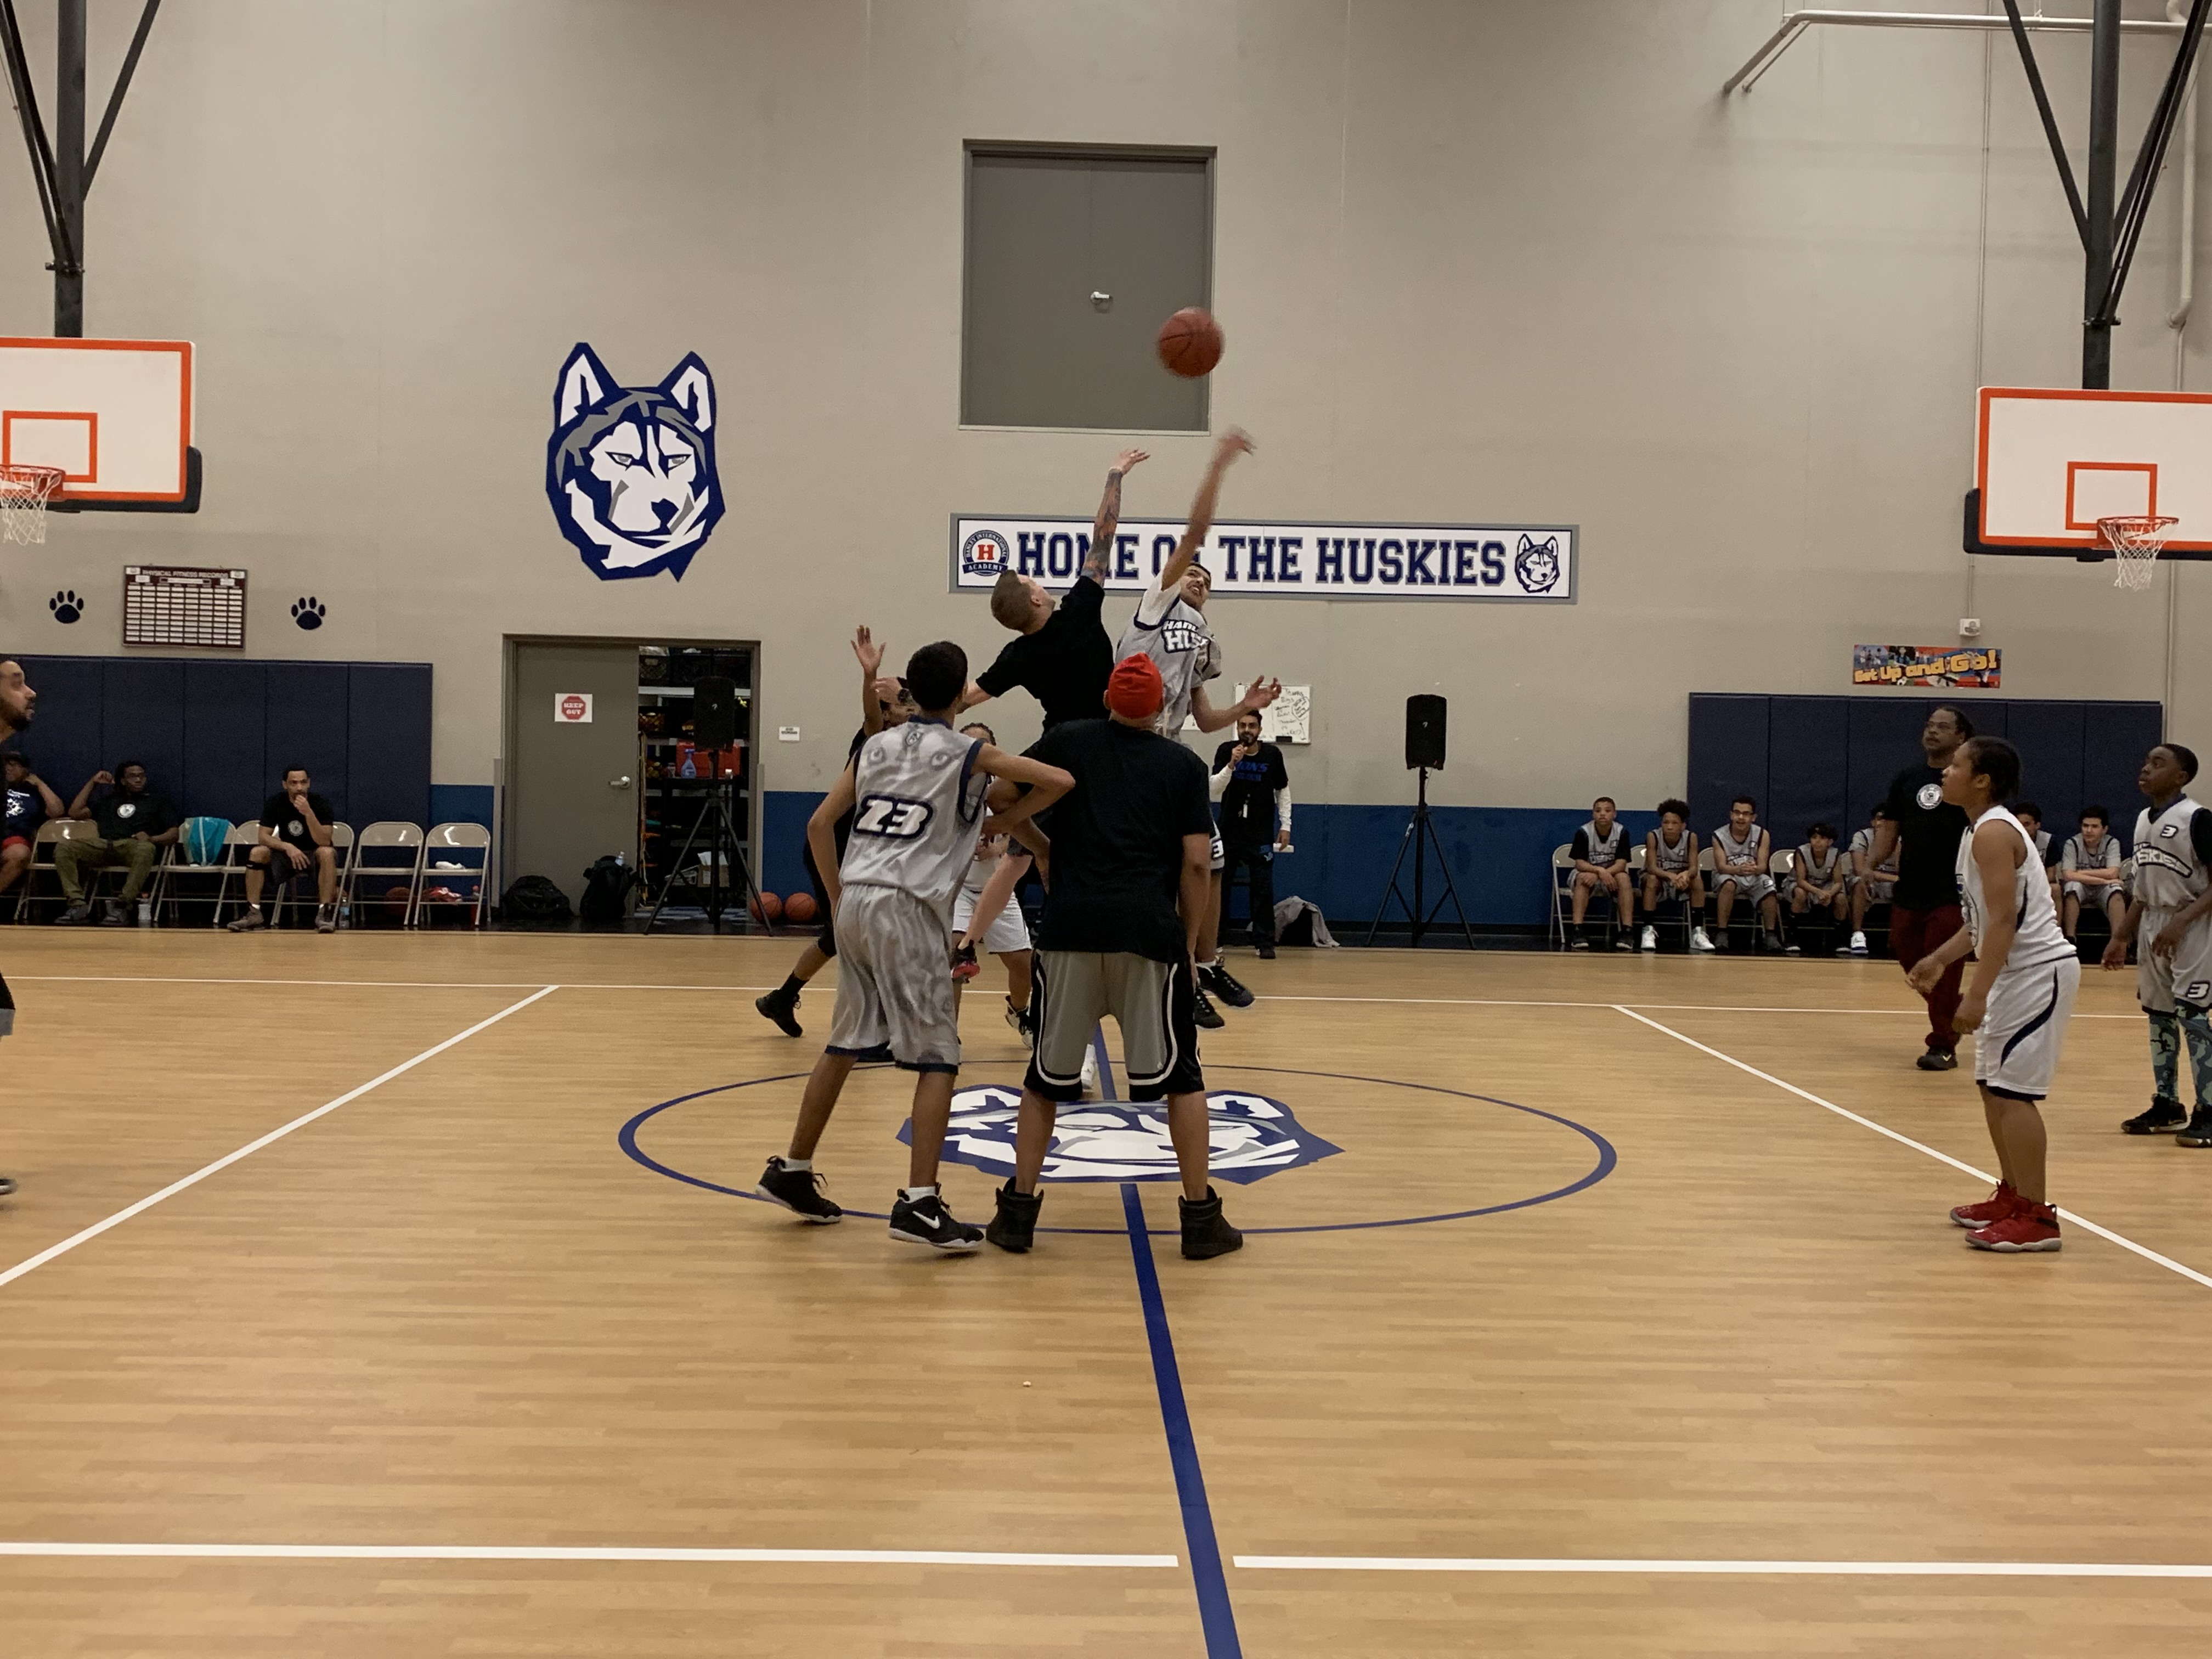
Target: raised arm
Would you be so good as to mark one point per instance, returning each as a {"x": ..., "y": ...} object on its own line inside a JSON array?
[
  {"x": 1263, "y": 691},
  {"x": 871, "y": 656},
  {"x": 54, "y": 807},
  {"x": 1109, "y": 515},
  {"x": 81, "y": 807},
  {"x": 1232, "y": 444}
]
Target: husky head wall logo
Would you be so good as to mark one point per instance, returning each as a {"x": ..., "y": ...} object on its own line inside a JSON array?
[
  {"x": 630, "y": 470},
  {"x": 1537, "y": 563},
  {"x": 1253, "y": 1137}
]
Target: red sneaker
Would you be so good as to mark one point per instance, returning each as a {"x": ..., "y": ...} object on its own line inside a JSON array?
[
  {"x": 1996, "y": 1207},
  {"x": 2031, "y": 1227},
  {"x": 964, "y": 965}
]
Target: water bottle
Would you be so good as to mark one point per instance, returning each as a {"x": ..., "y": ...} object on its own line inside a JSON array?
[{"x": 145, "y": 910}]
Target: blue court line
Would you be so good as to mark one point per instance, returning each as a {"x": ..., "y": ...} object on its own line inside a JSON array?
[{"x": 1216, "y": 1618}]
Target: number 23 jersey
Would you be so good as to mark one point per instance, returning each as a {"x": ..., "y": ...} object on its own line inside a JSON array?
[{"x": 917, "y": 812}]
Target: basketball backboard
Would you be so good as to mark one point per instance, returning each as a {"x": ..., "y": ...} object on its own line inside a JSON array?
[
  {"x": 115, "y": 416},
  {"x": 2049, "y": 463}
]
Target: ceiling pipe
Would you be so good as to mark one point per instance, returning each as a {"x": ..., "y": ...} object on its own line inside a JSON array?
[{"x": 1795, "y": 23}]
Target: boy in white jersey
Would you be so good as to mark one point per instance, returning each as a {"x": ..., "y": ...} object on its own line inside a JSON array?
[
  {"x": 1670, "y": 871},
  {"x": 2022, "y": 994},
  {"x": 916, "y": 794},
  {"x": 1817, "y": 883},
  {"x": 1601, "y": 858},
  {"x": 982, "y": 914},
  {"x": 1170, "y": 628},
  {"x": 1870, "y": 886},
  {"x": 1740, "y": 854},
  {"x": 2172, "y": 905},
  {"x": 2091, "y": 871}
]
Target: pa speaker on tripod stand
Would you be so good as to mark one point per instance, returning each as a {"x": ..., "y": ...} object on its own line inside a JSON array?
[{"x": 1425, "y": 753}]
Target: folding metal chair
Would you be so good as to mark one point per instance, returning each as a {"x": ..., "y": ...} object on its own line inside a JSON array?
[
  {"x": 52, "y": 832},
  {"x": 1563, "y": 875},
  {"x": 441, "y": 867},
  {"x": 183, "y": 861},
  {"x": 390, "y": 854},
  {"x": 342, "y": 848},
  {"x": 236, "y": 846}
]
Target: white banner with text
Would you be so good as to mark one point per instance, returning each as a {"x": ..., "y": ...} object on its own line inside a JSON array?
[{"x": 1535, "y": 563}]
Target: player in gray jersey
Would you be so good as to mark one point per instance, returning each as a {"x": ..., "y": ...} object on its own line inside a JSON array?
[
  {"x": 1740, "y": 855},
  {"x": 1819, "y": 876},
  {"x": 2025, "y": 980},
  {"x": 2171, "y": 907},
  {"x": 1600, "y": 855},
  {"x": 916, "y": 795},
  {"x": 1670, "y": 871},
  {"x": 1170, "y": 628}
]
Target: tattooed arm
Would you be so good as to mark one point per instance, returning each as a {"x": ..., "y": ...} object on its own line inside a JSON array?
[{"x": 1110, "y": 516}]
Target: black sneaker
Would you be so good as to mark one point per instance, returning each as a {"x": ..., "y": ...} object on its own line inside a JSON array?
[
  {"x": 7, "y": 1185},
  {"x": 116, "y": 915},
  {"x": 1937, "y": 1060},
  {"x": 1265, "y": 950},
  {"x": 1579, "y": 942},
  {"x": 1622, "y": 942},
  {"x": 925, "y": 1220},
  {"x": 1223, "y": 984},
  {"x": 1014, "y": 1227},
  {"x": 1721, "y": 939},
  {"x": 2199, "y": 1132},
  {"x": 1771, "y": 942},
  {"x": 1205, "y": 1231},
  {"x": 964, "y": 965},
  {"x": 2163, "y": 1118},
  {"x": 1793, "y": 949},
  {"x": 1202, "y": 1011},
  {"x": 781, "y": 1012},
  {"x": 798, "y": 1191},
  {"x": 76, "y": 915}
]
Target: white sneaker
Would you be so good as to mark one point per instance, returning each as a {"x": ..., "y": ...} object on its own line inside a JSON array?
[
  {"x": 1859, "y": 946},
  {"x": 1651, "y": 939},
  {"x": 1090, "y": 1072},
  {"x": 1698, "y": 941}
]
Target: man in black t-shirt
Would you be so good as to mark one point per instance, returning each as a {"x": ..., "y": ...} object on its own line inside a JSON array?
[
  {"x": 1063, "y": 656},
  {"x": 885, "y": 702},
  {"x": 1923, "y": 830},
  {"x": 134, "y": 821},
  {"x": 1254, "y": 787},
  {"x": 296, "y": 828},
  {"x": 1129, "y": 868}
]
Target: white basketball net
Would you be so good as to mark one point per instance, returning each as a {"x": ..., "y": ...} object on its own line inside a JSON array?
[
  {"x": 2136, "y": 543},
  {"x": 24, "y": 493}
]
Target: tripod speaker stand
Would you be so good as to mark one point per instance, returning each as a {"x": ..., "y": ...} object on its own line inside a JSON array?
[
  {"x": 1425, "y": 752},
  {"x": 714, "y": 722}
]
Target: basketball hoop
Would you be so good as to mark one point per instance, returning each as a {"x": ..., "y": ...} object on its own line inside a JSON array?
[
  {"x": 24, "y": 493},
  {"x": 2137, "y": 544}
]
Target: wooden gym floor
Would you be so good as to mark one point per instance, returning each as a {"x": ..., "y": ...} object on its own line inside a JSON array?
[{"x": 446, "y": 1370}]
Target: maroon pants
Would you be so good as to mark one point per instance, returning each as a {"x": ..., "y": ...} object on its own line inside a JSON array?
[{"x": 1912, "y": 935}]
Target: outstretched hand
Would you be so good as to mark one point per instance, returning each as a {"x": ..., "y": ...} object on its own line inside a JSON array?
[
  {"x": 1263, "y": 692},
  {"x": 1130, "y": 457},
  {"x": 1232, "y": 443},
  {"x": 870, "y": 653}
]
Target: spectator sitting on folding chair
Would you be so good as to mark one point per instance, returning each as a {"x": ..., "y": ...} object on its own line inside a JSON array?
[
  {"x": 27, "y": 802},
  {"x": 295, "y": 827},
  {"x": 134, "y": 821},
  {"x": 1601, "y": 858}
]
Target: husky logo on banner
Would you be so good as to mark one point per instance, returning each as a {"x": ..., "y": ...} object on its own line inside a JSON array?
[
  {"x": 1253, "y": 1137},
  {"x": 630, "y": 470},
  {"x": 1537, "y": 563}
]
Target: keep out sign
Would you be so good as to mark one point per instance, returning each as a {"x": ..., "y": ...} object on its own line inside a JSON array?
[{"x": 571, "y": 708}]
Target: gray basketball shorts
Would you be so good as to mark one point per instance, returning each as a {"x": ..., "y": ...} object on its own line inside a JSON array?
[
  {"x": 2016, "y": 1051},
  {"x": 1154, "y": 1003},
  {"x": 7, "y": 1010},
  {"x": 895, "y": 980},
  {"x": 2184, "y": 976},
  {"x": 1753, "y": 888}
]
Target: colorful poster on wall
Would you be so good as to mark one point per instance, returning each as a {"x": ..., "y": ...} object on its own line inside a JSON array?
[{"x": 1959, "y": 668}]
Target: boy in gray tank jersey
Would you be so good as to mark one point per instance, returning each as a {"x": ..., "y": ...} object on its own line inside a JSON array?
[
  {"x": 2170, "y": 910},
  {"x": 916, "y": 795}
]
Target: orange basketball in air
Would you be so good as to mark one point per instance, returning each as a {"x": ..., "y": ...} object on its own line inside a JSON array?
[
  {"x": 1190, "y": 342},
  {"x": 799, "y": 908}
]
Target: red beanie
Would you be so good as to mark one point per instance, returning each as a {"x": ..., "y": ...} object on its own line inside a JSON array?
[{"x": 1134, "y": 691}]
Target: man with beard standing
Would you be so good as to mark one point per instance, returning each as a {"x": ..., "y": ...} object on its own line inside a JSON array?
[{"x": 1914, "y": 822}]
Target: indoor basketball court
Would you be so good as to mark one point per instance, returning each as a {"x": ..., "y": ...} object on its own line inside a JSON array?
[{"x": 449, "y": 524}]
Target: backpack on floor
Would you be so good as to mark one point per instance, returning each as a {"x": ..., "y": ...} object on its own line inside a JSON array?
[
  {"x": 534, "y": 898},
  {"x": 606, "y": 891}
]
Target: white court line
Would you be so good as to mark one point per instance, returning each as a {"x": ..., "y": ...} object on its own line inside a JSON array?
[
  {"x": 1839, "y": 1569},
  {"x": 2077, "y": 1219},
  {"x": 588, "y": 985},
  {"x": 251, "y": 1147},
  {"x": 561, "y": 1553}
]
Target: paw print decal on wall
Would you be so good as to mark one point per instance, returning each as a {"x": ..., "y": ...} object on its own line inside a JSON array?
[
  {"x": 309, "y": 612},
  {"x": 66, "y": 606}
]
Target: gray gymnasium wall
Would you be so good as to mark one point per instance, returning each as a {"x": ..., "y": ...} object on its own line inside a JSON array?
[{"x": 1512, "y": 261}]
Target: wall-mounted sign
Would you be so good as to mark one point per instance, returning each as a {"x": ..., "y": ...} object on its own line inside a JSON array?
[
  {"x": 630, "y": 470},
  {"x": 1531, "y": 564},
  {"x": 1964, "y": 668},
  {"x": 571, "y": 708}
]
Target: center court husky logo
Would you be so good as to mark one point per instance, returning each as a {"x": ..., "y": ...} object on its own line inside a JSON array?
[
  {"x": 1537, "y": 563},
  {"x": 1253, "y": 1137},
  {"x": 630, "y": 470}
]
